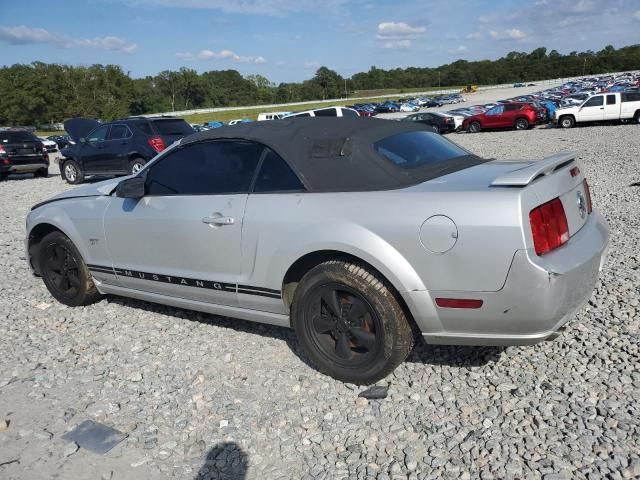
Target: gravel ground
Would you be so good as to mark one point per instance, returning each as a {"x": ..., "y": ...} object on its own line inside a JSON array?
[{"x": 208, "y": 397}]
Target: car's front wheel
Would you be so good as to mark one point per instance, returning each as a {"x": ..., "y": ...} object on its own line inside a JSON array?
[
  {"x": 350, "y": 323},
  {"x": 567, "y": 122},
  {"x": 72, "y": 173},
  {"x": 474, "y": 127},
  {"x": 64, "y": 272}
]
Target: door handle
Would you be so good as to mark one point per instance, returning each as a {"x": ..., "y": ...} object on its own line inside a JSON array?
[{"x": 218, "y": 220}]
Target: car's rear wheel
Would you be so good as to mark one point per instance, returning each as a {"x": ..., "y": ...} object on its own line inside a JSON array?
[
  {"x": 135, "y": 165},
  {"x": 64, "y": 272},
  {"x": 567, "y": 122},
  {"x": 474, "y": 127},
  {"x": 72, "y": 173},
  {"x": 349, "y": 322},
  {"x": 636, "y": 117},
  {"x": 522, "y": 124},
  {"x": 42, "y": 172}
]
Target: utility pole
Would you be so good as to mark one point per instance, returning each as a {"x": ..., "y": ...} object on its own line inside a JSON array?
[
  {"x": 345, "y": 88},
  {"x": 438, "y": 78},
  {"x": 584, "y": 66}
]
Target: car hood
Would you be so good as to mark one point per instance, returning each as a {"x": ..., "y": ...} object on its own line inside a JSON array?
[
  {"x": 78, "y": 128},
  {"x": 97, "y": 189}
]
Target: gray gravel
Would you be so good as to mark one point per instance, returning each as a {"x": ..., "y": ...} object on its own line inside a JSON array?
[{"x": 207, "y": 397}]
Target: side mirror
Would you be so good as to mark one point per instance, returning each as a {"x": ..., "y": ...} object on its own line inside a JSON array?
[{"x": 131, "y": 187}]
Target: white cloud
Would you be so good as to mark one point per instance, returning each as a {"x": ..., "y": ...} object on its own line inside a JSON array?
[
  {"x": 397, "y": 44},
  {"x": 508, "y": 34},
  {"x": 223, "y": 55},
  {"x": 475, "y": 36},
  {"x": 398, "y": 35},
  {"x": 636, "y": 15},
  {"x": 398, "y": 31},
  {"x": 461, "y": 48},
  {"x": 23, "y": 35}
]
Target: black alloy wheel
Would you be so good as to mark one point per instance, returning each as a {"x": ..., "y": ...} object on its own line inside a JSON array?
[{"x": 345, "y": 328}]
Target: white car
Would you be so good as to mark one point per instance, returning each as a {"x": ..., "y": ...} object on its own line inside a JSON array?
[
  {"x": 326, "y": 112},
  {"x": 409, "y": 107},
  {"x": 458, "y": 119},
  {"x": 602, "y": 107},
  {"x": 271, "y": 115}
]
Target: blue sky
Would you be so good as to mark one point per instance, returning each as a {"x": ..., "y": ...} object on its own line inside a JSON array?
[{"x": 286, "y": 40}]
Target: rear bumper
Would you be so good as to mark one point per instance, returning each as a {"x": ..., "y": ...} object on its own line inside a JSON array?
[
  {"x": 23, "y": 168},
  {"x": 540, "y": 295}
]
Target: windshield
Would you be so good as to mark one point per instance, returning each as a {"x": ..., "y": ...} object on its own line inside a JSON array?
[{"x": 418, "y": 149}]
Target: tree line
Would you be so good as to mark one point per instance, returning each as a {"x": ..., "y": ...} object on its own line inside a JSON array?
[{"x": 40, "y": 93}]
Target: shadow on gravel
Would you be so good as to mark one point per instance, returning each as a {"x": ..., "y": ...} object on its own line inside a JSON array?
[
  {"x": 454, "y": 356},
  {"x": 224, "y": 461}
]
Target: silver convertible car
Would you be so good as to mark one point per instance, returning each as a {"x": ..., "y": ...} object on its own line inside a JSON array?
[{"x": 357, "y": 233}]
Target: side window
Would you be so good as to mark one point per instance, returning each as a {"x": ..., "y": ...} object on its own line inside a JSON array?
[
  {"x": 611, "y": 99},
  {"x": 276, "y": 176},
  {"x": 596, "y": 101},
  {"x": 349, "y": 113},
  {"x": 511, "y": 107},
  {"x": 119, "y": 131},
  {"x": 99, "y": 134},
  {"x": 497, "y": 110},
  {"x": 206, "y": 168},
  {"x": 630, "y": 97},
  {"x": 326, "y": 112}
]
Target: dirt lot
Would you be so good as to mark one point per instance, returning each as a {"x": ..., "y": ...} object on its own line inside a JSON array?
[{"x": 207, "y": 397}]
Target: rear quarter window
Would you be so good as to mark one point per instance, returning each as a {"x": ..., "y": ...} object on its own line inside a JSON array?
[
  {"x": 173, "y": 127},
  {"x": 412, "y": 150}
]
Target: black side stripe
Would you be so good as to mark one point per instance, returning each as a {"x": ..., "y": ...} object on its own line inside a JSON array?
[{"x": 187, "y": 282}]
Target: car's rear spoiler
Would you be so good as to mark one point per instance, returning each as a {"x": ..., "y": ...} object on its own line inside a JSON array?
[{"x": 524, "y": 176}]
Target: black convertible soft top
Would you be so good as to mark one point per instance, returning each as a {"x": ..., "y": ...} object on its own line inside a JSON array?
[{"x": 338, "y": 154}]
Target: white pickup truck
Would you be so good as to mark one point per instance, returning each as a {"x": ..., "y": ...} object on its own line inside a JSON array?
[{"x": 602, "y": 107}]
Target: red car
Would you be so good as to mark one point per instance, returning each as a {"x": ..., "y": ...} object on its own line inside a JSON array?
[{"x": 516, "y": 115}]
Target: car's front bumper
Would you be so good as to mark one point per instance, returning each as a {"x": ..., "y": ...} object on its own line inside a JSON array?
[{"x": 539, "y": 296}]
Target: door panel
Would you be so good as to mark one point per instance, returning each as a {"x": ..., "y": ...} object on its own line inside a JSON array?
[
  {"x": 162, "y": 245},
  {"x": 611, "y": 107},
  {"x": 593, "y": 109},
  {"x": 94, "y": 154}
]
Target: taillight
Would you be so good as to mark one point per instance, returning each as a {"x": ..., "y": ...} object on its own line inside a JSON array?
[
  {"x": 2, "y": 149},
  {"x": 458, "y": 302},
  {"x": 156, "y": 143},
  {"x": 549, "y": 226},
  {"x": 587, "y": 191}
]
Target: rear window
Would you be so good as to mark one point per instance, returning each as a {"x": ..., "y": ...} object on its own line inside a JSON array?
[
  {"x": 630, "y": 97},
  {"x": 349, "y": 113},
  {"x": 16, "y": 136},
  {"x": 411, "y": 150},
  {"x": 326, "y": 112},
  {"x": 173, "y": 127}
]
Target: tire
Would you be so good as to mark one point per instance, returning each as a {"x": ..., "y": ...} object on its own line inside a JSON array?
[
  {"x": 72, "y": 173},
  {"x": 474, "y": 127},
  {"x": 361, "y": 347},
  {"x": 42, "y": 172},
  {"x": 636, "y": 117},
  {"x": 567, "y": 121},
  {"x": 521, "y": 124},
  {"x": 135, "y": 165},
  {"x": 64, "y": 272}
]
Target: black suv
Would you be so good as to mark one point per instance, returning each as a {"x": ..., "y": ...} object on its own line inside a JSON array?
[
  {"x": 22, "y": 152},
  {"x": 120, "y": 147}
]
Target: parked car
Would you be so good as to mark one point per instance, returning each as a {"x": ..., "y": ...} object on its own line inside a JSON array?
[
  {"x": 120, "y": 147},
  {"x": 442, "y": 123},
  {"x": 271, "y": 116},
  {"x": 239, "y": 121},
  {"x": 50, "y": 146},
  {"x": 214, "y": 124},
  {"x": 409, "y": 107},
  {"x": 388, "y": 107},
  {"x": 63, "y": 141},
  {"x": 601, "y": 108},
  {"x": 22, "y": 152},
  {"x": 310, "y": 238},
  {"x": 326, "y": 112},
  {"x": 520, "y": 116},
  {"x": 431, "y": 102}
]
